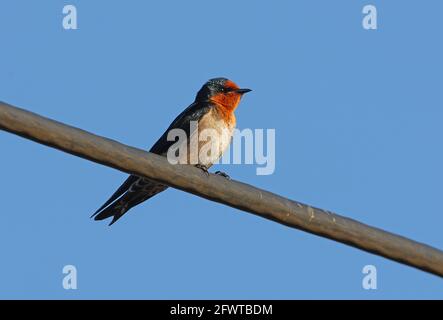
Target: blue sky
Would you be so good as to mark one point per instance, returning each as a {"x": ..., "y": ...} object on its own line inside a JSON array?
[{"x": 357, "y": 115}]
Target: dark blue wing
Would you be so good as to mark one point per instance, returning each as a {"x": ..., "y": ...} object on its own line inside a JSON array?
[
  {"x": 135, "y": 189},
  {"x": 192, "y": 113}
]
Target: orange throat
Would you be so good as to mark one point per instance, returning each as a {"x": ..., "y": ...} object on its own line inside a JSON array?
[{"x": 226, "y": 103}]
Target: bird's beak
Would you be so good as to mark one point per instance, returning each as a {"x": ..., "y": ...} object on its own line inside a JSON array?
[{"x": 243, "y": 91}]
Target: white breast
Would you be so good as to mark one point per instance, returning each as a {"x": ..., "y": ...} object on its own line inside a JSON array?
[{"x": 215, "y": 137}]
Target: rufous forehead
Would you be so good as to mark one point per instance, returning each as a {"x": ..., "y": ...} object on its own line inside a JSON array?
[{"x": 231, "y": 84}]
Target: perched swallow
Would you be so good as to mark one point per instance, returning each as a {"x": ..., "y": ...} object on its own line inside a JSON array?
[{"x": 213, "y": 108}]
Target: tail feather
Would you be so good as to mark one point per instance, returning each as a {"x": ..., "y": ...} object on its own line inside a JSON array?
[
  {"x": 139, "y": 191},
  {"x": 120, "y": 191},
  {"x": 115, "y": 210}
]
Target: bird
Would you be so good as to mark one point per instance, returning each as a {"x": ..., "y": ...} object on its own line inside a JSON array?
[{"x": 213, "y": 108}]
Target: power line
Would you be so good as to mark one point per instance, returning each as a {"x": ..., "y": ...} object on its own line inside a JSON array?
[{"x": 215, "y": 188}]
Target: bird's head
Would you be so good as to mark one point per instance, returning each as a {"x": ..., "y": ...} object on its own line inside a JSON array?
[{"x": 222, "y": 92}]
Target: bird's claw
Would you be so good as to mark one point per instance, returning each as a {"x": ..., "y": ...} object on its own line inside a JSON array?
[
  {"x": 203, "y": 168},
  {"x": 223, "y": 174}
]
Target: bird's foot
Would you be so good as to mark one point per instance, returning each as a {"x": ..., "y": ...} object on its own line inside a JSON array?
[
  {"x": 203, "y": 168},
  {"x": 223, "y": 174}
]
